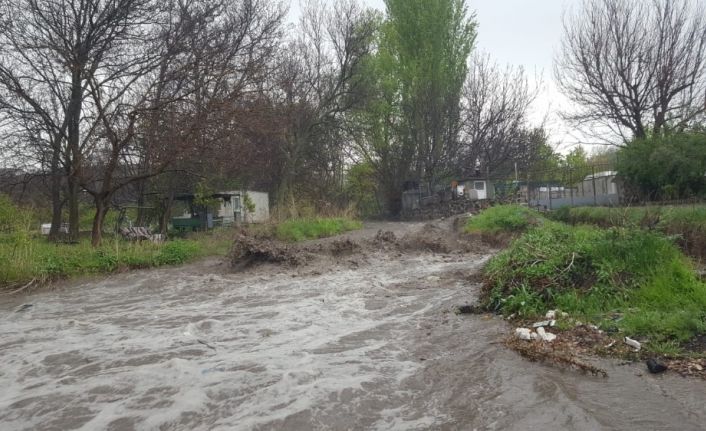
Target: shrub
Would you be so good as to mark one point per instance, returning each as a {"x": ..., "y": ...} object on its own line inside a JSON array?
[
  {"x": 665, "y": 167},
  {"x": 503, "y": 218},
  {"x": 176, "y": 252}
]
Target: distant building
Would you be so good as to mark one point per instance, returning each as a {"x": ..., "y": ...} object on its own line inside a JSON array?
[
  {"x": 476, "y": 189},
  {"x": 229, "y": 210}
]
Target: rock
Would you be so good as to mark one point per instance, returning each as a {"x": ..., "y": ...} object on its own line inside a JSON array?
[
  {"x": 551, "y": 314},
  {"x": 698, "y": 367},
  {"x": 544, "y": 335},
  {"x": 544, "y": 323},
  {"x": 633, "y": 343},
  {"x": 466, "y": 309},
  {"x": 523, "y": 334},
  {"x": 655, "y": 366}
]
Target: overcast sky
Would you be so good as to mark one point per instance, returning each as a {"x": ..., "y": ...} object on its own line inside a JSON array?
[{"x": 522, "y": 33}]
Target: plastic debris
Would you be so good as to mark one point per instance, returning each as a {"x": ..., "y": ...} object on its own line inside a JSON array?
[
  {"x": 544, "y": 323},
  {"x": 655, "y": 366},
  {"x": 633, "y": 343},
  {"x": 523, "y": 334},
  {"x": 564, "y": 315},
  {"x": 551, "y": 314},
  {"x": 544, "y": 335}
]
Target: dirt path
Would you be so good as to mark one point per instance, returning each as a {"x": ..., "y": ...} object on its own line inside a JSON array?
[{"x": 367, "y": 342}]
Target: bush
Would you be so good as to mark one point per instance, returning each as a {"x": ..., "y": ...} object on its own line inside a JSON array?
[
  {"x": 665, "y": 167},
  {"x": 598, "y": 274},
  {"x": 176, "y": 252},
  {"x": 302, "y": 229},
  {"x": 12, "y": 217},
  {"x": 503, "y": 218}
]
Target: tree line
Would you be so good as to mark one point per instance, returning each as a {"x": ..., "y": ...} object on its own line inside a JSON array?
[{"x": 104, "y": 102}]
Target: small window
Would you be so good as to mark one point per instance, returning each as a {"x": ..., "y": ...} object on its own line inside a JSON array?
[{"x": 479, "y": 185}]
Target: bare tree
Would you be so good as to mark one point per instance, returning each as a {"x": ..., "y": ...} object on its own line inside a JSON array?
[
  {"x": 51, "y": 50},
  {"x": 318, "y": 84},
  {"x": 209, "y": 60},
  {"x": 634, "y": 66},
  {"x": 495, "y": 103},
  {"x": 222, "y": 117}
]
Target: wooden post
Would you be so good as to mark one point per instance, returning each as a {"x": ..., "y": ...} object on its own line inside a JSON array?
[
  {"x": 593, "y": 180},
  {"x": 571, "y": 187},
  {"x": 549, "y": 190}
]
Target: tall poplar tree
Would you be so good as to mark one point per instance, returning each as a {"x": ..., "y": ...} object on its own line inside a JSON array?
[{"x": 412, "y": 124}]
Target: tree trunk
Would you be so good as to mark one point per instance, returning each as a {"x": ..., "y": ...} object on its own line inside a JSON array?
[
  {"x": 166, "y": 212},
  {"x": 102, "y": 205},
  {"x": 56, "y": 205},
  {"x": 74, "y": 216},
  {"x": 74, "y": 152},
  {"x": 141, "y": 213}
]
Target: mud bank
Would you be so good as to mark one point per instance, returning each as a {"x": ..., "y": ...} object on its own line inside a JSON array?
[{"x": 337, "y": 345}]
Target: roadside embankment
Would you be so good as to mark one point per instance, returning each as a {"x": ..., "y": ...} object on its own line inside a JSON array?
[
  {"x": 623, "y": 281},
  {"x": 28, "y": 260}
]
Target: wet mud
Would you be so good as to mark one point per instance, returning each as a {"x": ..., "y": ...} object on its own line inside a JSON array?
[{"x": 362, "y": 336}]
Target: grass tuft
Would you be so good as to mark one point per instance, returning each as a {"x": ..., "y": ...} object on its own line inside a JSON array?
[{"x": 503, "y": 219}]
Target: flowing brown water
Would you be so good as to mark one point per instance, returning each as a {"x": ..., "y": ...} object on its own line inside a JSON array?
[{"x": 372, "y": 345}]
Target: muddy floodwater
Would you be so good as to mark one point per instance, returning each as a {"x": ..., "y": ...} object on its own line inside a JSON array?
[{"x": 370, "y": 343}]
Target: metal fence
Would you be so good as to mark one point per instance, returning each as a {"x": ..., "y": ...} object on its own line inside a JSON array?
[{"x": 552, "y": 189}]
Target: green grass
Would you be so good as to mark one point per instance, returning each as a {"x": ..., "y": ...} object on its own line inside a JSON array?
[
  {"x": 303, "y": 229},
  {"x": 687, "y": 223},
  {"x": 627, "y": 279},
  {"x": 503, "y": 218},
  {"x": 25, "y": 257}
]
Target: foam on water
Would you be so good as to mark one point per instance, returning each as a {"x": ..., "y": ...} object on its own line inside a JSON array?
[
  {"x": 178, "y": 349},
  {"x": 377, "y": 347}
]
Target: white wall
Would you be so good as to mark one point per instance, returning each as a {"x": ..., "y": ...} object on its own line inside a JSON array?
[{"x": 262, "y": 206}]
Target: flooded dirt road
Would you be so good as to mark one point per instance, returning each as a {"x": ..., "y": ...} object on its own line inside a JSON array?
[{"x": 368, "y": 343}]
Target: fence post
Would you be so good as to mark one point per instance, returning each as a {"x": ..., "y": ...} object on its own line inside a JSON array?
[
  {"x": 571, "y": 187},
  {"x": 593, "y": 180},
  {"x": 549, "y": 191}
]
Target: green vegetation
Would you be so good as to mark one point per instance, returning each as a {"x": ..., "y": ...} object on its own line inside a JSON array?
[
  {"x": 687, "y": 223},
  {"x": 503, "y": 218},
  {"x": 25, "y": 257},
  {"x": 302, "y": 229},
  {"x": 667, "y": 166},
  {"x": 622, "y": 278}
]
